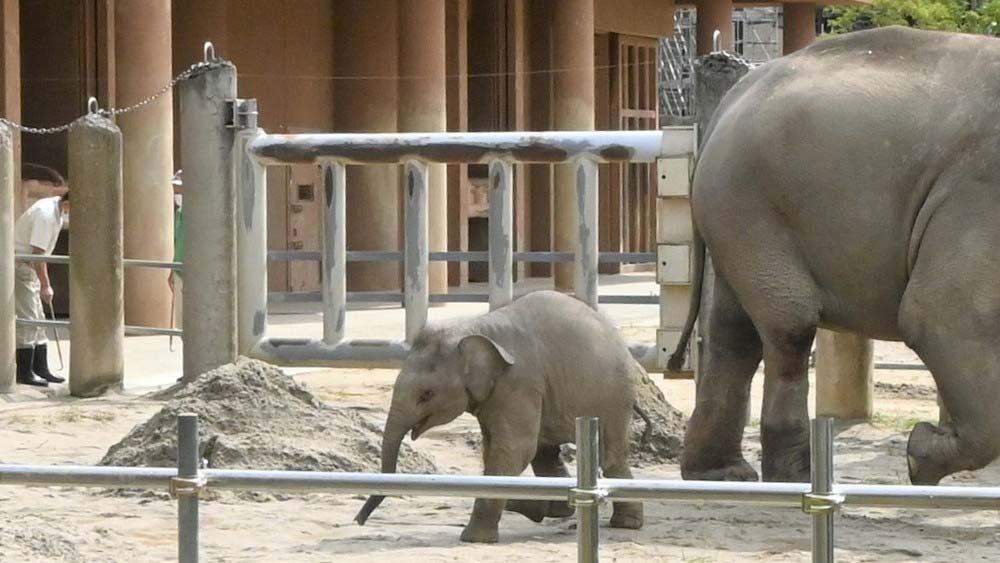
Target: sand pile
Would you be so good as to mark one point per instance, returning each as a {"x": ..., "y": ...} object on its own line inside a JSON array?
[
  {"x": 253, "y": 416},
  {"x": 29, "y": 538},
  {"x": 663, "y": 441}
]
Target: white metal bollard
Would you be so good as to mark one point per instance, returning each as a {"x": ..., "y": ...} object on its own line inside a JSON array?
[
  {"x": 586, "y": 497},
  {"x": 415, "y": 258},
  {"x": 501, "y": 235},
  {"x": 334, "y": 262}
]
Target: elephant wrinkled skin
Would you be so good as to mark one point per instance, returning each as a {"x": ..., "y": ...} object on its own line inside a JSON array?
[
  {"x": 853, "y": 185},
  {"x": 526, "y": 371}
]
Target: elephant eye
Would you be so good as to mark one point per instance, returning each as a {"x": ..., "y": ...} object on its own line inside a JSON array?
[{"x": 425, "y": 396}]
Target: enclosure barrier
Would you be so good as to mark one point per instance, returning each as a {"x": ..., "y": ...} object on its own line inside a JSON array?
[
  {"x": 820, "y": 500},
  {"x": 670, "y": 148}
]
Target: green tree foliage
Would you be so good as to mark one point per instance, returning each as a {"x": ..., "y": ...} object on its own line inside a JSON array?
[{"x": 969, "y": 16}]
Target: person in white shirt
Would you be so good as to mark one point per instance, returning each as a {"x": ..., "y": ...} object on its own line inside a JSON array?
[{"x": 36, "y": 232}]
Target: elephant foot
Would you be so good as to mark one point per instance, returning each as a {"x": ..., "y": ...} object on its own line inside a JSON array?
[
  {"x": 792, "y": 467},
  {"x": 924, "y": 462},
  {"x": 739, "y": 471},
  {"x": 560, "y": 510},
  {"x": 534, "y": 510},
  {"x": 480, "y": 535},
  {"x": 627, "y": 516}
]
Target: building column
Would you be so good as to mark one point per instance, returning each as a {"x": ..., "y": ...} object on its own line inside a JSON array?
[
  {"x": 10, "y": 86},
  {"x": 800, "y": 26},
  {"x": 714, "y": 15},
  {"x": 423, "y": 108},
  {"x": 572, "y": 109},
  {"x": 364, "y": 47},
  {"x": 143, "y": 65},
  {"x": 457, "y": 63}
]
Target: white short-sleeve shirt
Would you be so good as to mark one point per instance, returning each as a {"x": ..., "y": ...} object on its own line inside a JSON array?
[{"x": 38, "y": 227}]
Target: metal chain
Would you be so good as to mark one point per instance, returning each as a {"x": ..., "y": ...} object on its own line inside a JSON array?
[{"x": 113, "y": 111}]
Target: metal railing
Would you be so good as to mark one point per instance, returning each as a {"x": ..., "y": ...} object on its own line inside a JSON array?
[
  {"x": 128, "y": 263},
  {"x": 821, "y": 499},
  {"x": 582, "y": 150}
]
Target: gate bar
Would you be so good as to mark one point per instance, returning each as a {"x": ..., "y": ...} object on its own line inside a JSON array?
[
  {"x": 415, "y": 286},
  {"x": 473, "y": 147},
  {"x": 334, "y": 250},
  {"x": 501, "y": 227}
]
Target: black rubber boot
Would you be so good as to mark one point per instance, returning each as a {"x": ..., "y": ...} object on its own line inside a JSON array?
[
  {"x": 40, "y": 365},
  {"x": 24, "y": 374}
]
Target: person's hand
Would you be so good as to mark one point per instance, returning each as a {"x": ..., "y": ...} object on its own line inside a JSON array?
[{"x": 48, "y": 293}]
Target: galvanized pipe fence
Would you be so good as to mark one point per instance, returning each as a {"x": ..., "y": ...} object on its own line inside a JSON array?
[{"x": 820, "y": 499}]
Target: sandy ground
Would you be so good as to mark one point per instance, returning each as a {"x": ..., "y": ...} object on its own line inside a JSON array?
[{"x": 65, "y": 524}]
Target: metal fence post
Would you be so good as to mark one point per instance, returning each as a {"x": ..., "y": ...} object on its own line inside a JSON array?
[
  {"x": 821, "y": 503},
  {"x": 186, "y": 487},
  {"x": 501, "y": 227},
  {"x": 415, "y": 257},
  {"x": 251, "y": 243},
  {"x": 334, "y": 262},
  {"x": 96, "y": 273},
  {"x": 586, "y": 497},
  {"x": 207, "y": 137},
  {"x": 586, "y": 252},
  {"x": 7, "y": 315}
]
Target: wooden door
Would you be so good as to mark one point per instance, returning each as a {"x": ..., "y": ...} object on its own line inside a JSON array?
[{"x": 305, "y": 225}]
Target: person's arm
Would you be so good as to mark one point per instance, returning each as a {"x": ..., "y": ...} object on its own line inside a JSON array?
[{"x": 42, "y": 269}]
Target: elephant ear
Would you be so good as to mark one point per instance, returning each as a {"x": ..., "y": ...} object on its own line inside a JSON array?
[{"x": 484, "y": 361}]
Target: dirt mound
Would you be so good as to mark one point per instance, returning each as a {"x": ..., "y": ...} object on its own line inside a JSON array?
[
  {"x": 33, "y": 539},
  {"x": 253, "y": 416},
  {"x": 661, "y": 440}
]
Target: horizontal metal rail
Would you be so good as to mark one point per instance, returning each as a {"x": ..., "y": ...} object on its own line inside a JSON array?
[
  {"x": 132, "y": 330},
  {"x": 464, "y": 256},
  {"x": 396, "y": 297},
  {"x": 127, "y": 262},
  {"x": 787, "y": 495},
  {"x": 478, "y": 147}
]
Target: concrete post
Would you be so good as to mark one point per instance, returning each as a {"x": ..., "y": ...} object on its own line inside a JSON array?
[
  {"x": 800, "y": 26},
  {"x": 8, "y": 204},
  {"x": 423, "y": 108},
  {"x": 251, "y": 210},
  {"x": 712, "y": 16},
  {"x": 210, "y": 220},
  {"x": 501, "y": 234},
  {"x": 10, "y": 85},
  {"x": 844, "y": 376},
  {"x": 96, "y": 274},
  {"x": 415, "y": 288},
  {"x": 365, "y": 45},
  {"x": 573, "y": 110},
  {"x": 586, "y": 252},
  {"x": 143, "y": 65}
]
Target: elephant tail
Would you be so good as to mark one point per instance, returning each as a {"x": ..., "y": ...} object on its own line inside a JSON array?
[
  {"x": 676, "y": 362},
  {"x": 649, "y": 425}
]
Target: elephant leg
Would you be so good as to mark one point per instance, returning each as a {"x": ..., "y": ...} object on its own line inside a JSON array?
[
  {"x": 614, "y": 462},
  {"x": 712, "y": 443},
  {"x": 950, "y": 316},
  {"x": 507, "y": 449},
  {"x": 545, "y": 464},
  {"x": 785, "y": 415}
]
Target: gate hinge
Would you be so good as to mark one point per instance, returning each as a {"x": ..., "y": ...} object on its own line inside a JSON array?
[
  {"x": 814, "y": 503},
  {"x": 242, "y": 113}
]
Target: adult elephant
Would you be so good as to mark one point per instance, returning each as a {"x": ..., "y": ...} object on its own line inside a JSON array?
[{"x": 853, "y": 185}]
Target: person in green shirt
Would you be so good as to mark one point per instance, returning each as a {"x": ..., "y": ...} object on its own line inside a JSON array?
[{"x": 174, "y": 279}]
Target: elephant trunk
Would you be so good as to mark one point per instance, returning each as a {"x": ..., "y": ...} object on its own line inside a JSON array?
[{"x": 392, "y": 439}]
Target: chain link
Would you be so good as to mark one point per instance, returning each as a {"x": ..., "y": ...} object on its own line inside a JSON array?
[{"x": 110, "y": 113}]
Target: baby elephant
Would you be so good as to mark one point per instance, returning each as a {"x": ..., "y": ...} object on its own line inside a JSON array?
[{"x": 526, "y": 371}]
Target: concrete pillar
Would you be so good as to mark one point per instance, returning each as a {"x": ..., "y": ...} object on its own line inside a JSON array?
[
  {"x": 800, "y": 26},
  {"x": 714, "y": 15},
  {"x": 365, "y": 42},
  {"x": 143, "y": 66},
  {"x": 844, "y": 375},
  {"x": 457, "y": 64},
  {"x": 423, "y": 107},
  {"x": 572, "y": 109},
  {"x": 7, "y": 315},
  {"x": 10, "y": 85},
  {"x": 96, "y": 281},
  {"x": 210, "y": 289}
]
